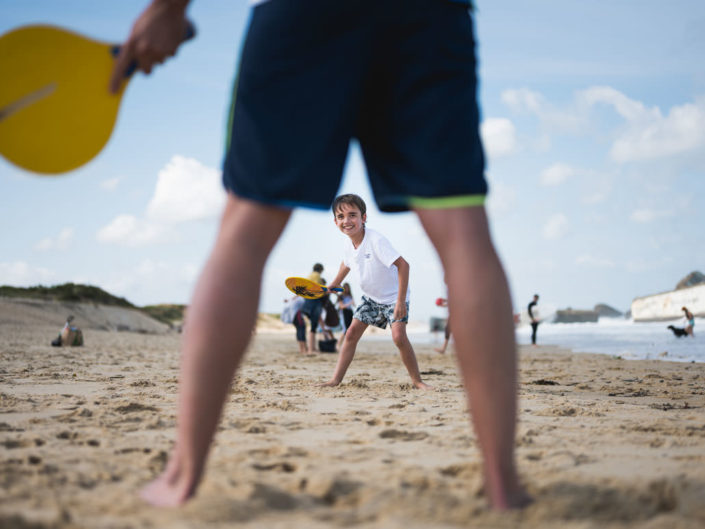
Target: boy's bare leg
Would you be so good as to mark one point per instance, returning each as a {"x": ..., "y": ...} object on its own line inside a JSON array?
[
  {"x": 481, "y": 317},
  {"x": 218, "y": 327},
  {"x": 401, "y": 340},
  {"x": 347, "y": 352}
]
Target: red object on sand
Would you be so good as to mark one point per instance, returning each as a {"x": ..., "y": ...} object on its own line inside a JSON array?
[{"x": 439, "y": 301}]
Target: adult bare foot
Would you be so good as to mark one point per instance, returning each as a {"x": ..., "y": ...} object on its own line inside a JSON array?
[
  {"x": 161, "y": 493},
  {"x": 172, "y": 488},
  {"x": 422, "y": 385},
  {"x": 330, "y": 384}
]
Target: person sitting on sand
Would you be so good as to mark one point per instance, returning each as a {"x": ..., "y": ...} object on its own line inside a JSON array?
[
  {"x": 689, "y": 322},
  {"x": 384, "y": 278}
]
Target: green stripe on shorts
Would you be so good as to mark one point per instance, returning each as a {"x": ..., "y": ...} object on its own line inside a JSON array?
[{"x": 447, "y": 202}]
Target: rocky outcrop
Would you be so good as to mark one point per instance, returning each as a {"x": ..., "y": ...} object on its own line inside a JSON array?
[
  {"x": 604, "y": 310},
  {"x": 692, "y": 279},
  {"x": 668, "y": 305},
  {"x": 576, "y": 316}
]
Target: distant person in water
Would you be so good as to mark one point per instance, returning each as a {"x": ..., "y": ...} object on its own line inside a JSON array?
[
  {"x": 689, "y": 322},
  {"x": 534, "y": 315}
]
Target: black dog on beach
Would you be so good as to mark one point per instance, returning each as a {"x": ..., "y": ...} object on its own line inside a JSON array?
[{"x": 677, "y": 331}]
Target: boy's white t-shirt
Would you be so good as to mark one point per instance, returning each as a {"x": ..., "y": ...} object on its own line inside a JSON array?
[{"x": 373, "y": 264}]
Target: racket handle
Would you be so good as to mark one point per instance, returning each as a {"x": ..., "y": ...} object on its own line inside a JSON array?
[
  {"x": 189, "y": 33},
  {"x": 335, "y": 289}
]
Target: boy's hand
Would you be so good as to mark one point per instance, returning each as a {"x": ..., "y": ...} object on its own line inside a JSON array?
[
  {"x": 155, "y": 35},
  {"x": 399, "y": 310}
]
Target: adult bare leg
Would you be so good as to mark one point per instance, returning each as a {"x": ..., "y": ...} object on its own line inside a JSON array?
[
  {"x": 480, "y": 313},
  {"x": 218, "y": 328}
]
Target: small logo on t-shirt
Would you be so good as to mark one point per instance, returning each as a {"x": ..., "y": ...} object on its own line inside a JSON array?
[{"x": 368, "y": 256}]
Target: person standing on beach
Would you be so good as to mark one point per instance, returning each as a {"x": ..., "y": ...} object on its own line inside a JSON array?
[
  {"x": 399, "y": 76},
  {"x": 383, "y": 275},
  {"x": 346, "y": 304},
  {"x": 443, "y": 302},
  {"x": 689, "y": 322},
  {"x": 312, "y": 308},
  {"x": 534, "y": 317}
]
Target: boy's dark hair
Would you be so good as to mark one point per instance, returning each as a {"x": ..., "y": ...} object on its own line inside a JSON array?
[
  {"x": 318, "y": 267},
  {"x": 350, "y": 200}
]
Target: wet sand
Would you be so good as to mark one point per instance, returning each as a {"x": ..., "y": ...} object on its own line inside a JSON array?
[{"x": 602, "y": 442}]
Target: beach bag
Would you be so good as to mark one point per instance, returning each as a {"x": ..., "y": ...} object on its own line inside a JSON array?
[
  {"x": 332, "y": 318},
  {"x": 327, "y": 346}
]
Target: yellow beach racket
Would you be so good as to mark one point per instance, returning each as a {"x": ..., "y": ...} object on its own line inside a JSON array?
[
  {"x": 56, "y": 112},
  {"x": 308, "y": 289}
]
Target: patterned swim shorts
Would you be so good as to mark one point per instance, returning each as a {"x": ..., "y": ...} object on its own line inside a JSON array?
[{"x": 378, "y": 314}]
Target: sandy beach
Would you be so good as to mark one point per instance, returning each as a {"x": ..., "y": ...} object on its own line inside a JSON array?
[{"x": 602, "y": 443}]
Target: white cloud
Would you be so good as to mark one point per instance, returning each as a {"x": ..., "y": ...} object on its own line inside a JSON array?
[
  {"x": 523, "y": 99},
  {"x": 592, "y": 261},
  {"x": 22, "y": 274},
  {"x": 61, "y": 242},
  {"x": 648, "y": 134},
  {"x": 556, "y": 227},
  {"x": 186, "y": 190},
  {"x": 627, "y": 108},
  {"x": 556, "y": 174},
  {"x": 128, "y": 230},
  {"x": 498, "y": 137},
  {"x": 110, "y": 184},
  {"x": 645, "y": 134},
  {"x": 648, "y": 215}
]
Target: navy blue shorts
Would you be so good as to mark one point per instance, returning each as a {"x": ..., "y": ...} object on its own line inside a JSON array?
[{"x": 397, "y": 75}]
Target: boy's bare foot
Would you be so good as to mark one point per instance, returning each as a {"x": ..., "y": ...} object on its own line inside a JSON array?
[
  {"x": 422, "y": 385},
  {"x": 440, "y": 350},
  {"x": 330, "y": 384}
]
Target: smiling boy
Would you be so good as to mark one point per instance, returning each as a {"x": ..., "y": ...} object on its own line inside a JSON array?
[{"x": 384, "y": 279}]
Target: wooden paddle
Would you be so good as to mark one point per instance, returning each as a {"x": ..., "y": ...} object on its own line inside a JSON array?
[{"x": 56, "y": 112}]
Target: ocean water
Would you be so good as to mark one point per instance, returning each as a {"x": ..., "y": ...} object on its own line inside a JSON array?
[
  {"x": 610, "y": 336},
  {"x": 625, "y": 338}
]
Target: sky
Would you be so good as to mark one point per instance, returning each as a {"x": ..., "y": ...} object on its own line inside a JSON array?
[{"x": 593, "y": 122}]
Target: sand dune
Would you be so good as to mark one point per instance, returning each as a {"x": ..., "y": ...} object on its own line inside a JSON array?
[
  {"x": 603, "y": 442},
  {"x": 88, "y": 315}
]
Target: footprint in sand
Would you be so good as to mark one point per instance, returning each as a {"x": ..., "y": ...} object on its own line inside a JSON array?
[
  {"x": 282, "y": 466},
  {"x": 402, "y": 435}
]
